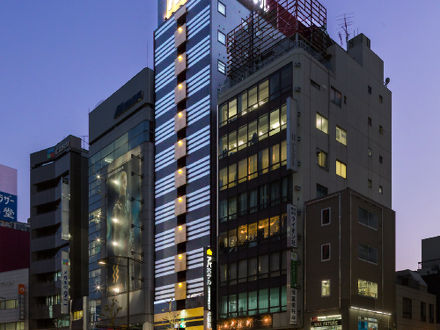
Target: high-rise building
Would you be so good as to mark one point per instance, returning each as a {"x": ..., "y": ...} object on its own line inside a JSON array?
[
  {"x": 299, "y": 118},
  {"x": 8, "y": 193},
  {"x": 58, "y": 220},
  {"x": 190, "y": 65},
  {"x": 120, "y": 226}
]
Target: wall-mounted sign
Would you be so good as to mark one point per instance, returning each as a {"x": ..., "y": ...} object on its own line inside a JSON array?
[
  {"x": 172, "y": 6},
  {"x": 65, "y": 279},
  {"x": 329, "y": 323},
  {"x": 209, "y": 288},
  {"x": 65, "y": 201},
  {"x": 8, "y": 207},
  {"x": 21, "y": 301},
  {"x": 292, "y": 235},
  {"x": 58, "y": 149},
  {"x": 124, "y": 106}
]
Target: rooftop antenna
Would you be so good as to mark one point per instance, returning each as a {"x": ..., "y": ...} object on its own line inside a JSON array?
[{"x": 345, "y": 23}]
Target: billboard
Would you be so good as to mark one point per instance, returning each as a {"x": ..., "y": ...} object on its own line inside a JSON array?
[
  {"x": 8, "y": 207},
  {"x": 123, "y": 221},
  {"x": 65, "y": 279}
]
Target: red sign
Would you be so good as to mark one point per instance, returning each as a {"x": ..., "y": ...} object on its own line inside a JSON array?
[{"x": 21, "y": 289}]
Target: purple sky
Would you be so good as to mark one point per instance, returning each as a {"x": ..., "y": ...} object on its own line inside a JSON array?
[{"x": 58, "y": 59}]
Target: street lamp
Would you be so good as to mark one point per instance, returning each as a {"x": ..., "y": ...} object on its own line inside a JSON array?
[{"x": 116, "y": 290}]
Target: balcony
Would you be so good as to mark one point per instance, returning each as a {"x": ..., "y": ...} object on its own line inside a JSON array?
[
  {"x": 46, "y": 265},
  {"x": 46, "y": 219},
  {"x": 44, "y": 289},
  {"x": 46, "y": 196},
  {"x": 47, "y": 242}
]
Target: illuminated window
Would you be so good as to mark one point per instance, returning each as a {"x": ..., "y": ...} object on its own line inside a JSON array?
[
  {"x": 223, "y": 178},
  {"x": 381, "y": 190},
  {"x": 367, "y": 289},
  {"x": 77, "y": 315},
  {"x": 232, "y": 112},
  {"x": 252, "y": 133},
  {"x": 341, "y": 135},
  {"x": 321, "y": 123},
  {"x": 232, "y": 238},
  {"x": 221, "y": 8},
  {"x": 223, "y": 240},
  {"x": 325, "y": 252},
  {"x": 223, "y": 146},
  {"x": 263, "y": 228},
  {"x": 322, "y": 158},
  {"x": 263, "y": 126},
  {"x": 232, "y": 142},
  {"x": 283, "y": 152},
  {"x": 263, "y": 92},
  {"x": 221, "y": 37},
  {"x": 325, "y": 288},
  {"x": 242, "y": 137},
  {"x": 244, "y": 103},
  {"x": 242, "y": 234},
  {"x": 252, "y": 231},
  {"x": 274, "y": 225},
  {"x": 221, "y": 66},
  {"x": 253, "y": 98},
  {"x": 8, "y": 304},
  {"x": 275, "y": 156},
  {"x": 325, "y": 216},
  {"x": 223, "y": 113},
  {"x": 274, "y": 122},
  {"x": 341, "y": 169},
  {"x": 263, "y": 160},
  {"x": 283, "y": 116},
  {"x": 242, "y": 170},
  {"x": 252, "y": 167}
]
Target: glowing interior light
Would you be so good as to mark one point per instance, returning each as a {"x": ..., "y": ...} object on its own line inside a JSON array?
[
  {"x": 180, "y": 199},
  {"x": 101, "y": 262},
  {"x": 98, "y": 240},
  {"x": 180, "y": 114},
  {"x": 180, "y": 256},
  {"x": 180, "y": 86},
  {"x": 116, "y": 289},
  {"x": 98, "y": 287},
  {"x": 98, "y": 176},
  {"x": 180, "y": 29},
  {"x": 115, "y": 220},
  {"x": 180, "y": 142},
  {"x": 116, "y": 182},
  {"x": 115, "y": 243},
  {"x": 180, "y": 285},
  {"x": 180, "y": 227},
  {"x": 180, "y": 58},
  {"x": 180, "y": 171}
]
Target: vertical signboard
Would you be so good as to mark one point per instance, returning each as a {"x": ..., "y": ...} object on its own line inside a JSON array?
[
  {"x": 123, "y": 218},
  {"x": 292, "y": 125},
  {"x": 8, "y": 207},
  {"x": 21, "y": 302},
  {"x": 65, "y": 200},
  {"x": 209, "y": 288},
  {"x": 65, "y": 279},
  {"x": 292, "y": 242}
]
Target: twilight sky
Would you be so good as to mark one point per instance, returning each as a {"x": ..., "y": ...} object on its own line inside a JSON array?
[{"x": 58, "y": 59}]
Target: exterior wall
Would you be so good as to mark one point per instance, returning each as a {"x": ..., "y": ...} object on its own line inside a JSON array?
[
  {"x": 431, "y": 253},
  {"x": 8, "y": 180},
  {"x": 417, "y": 297},
  {"x": 121, "y": 141},
  {"x": 53, "y": 231},
  {"x": 14, "y": 249},
  {"x": 9, "y": 282}
]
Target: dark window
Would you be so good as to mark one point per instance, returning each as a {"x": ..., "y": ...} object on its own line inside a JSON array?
[
  {"x": 253, "y": 201},
  {"x": 367, "y": 218},
  {"x": 242, "y": 203},
  {"x": 336, "y": 96},
  {"x": 345, "y": 99},
  {"x": 406, "y": 308},
  {"x": 380, "y": 159},
  {"x": 264, "y": 196},
  {"x": 431, "y": 313},
  {"x": 286, "y": 78},
  {"x": 370, "y": 121},
  {"x": 221, "y": 66},
  {"x": 380, "y": 99},
  {"x": 370, "y": 183},
  {"x": 380, "y": 130},
  {"x": 315, "y": 84},
  {"x": 367, "y": 253},
  {"x": 369, "y": 90},
  {"x": 422, "y": 311},
  {"x": 321, "y": 191},
  {"x": 325, "y": 252},
  {"x": 275, "y": 193},
  {"x": 325, "y": 216}
]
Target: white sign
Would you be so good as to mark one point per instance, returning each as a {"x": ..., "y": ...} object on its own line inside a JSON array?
[
  {"x": 65, "y": 279},
  {"x": 292, "y": 234},
  {"x": 65, "y": 199},
  {"x": 173, "y": 5}
]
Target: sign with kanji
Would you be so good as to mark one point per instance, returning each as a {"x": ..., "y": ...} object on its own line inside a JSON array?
[{"x": 8, "y": 207}]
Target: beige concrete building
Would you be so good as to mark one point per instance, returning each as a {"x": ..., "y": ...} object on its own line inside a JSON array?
[
  {"x": 415, "y": 306},
  {"x": 349, "y": 263}
]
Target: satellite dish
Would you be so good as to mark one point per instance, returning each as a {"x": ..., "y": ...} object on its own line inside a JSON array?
[{"x": 387, "y": 81}]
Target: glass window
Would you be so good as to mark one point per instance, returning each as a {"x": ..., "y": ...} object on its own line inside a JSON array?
[
  {"x": 263, "y": 126},
  {"x": 232, "y": 175},
  {"x": 368, "y": 253},
  {"x": 242, "y": 303},
  {"x": 283, "y": 116},
  {"x": 285, "y": 190},
  {"x": 242, "y": 137},
  {"x": 232, "y": 273},
  {"x": 325, "y": 252},
  {"x": 242, "y": 234},
  {"x": 341, "y": 169},
  {"x": 242, "y": 203},
  {"x": 263, "y": 92},
  {"x": 336, "y": 96},
  {"x": 232, "y": 208},
  {"x": 325, "y": 288},
  {"x": 325, "y": 216},
  {"x": 252, "y": 269},
  {"x": 274, "y": 85},
  {"x": 286, "y": 78},
  {"x": 341, "y": 135},
  {"x": 252, "y": 133},
  {"x": 263, "y": 228},
  {"x": 274, "y": 122},
  {"x": 283, "y": 152},
  {"x": 221, "y": 37},
  {"x": 223, "y": 240},
  {"x": 274, "y": 225},
  {"x": 232, "y": 304},
  {"x": 263, "y": 300},
  {"x": 252, "y": 231},
  {"x": 274, "y": 300},
  {"x": 232, "y": 238},
  {"x": 406, "y": 308},
  {"x": 223, "y": 178},
  {"x": 232, "y": 113},
  {"x": 275, "y": 193},
  {"x": 367, "y": 218},
  {"x": 263, "y": 266},
  {"x": 264, "y": 196},
  {"x": 232, "y": 142},
  {"x": 275, "y": 264},
  {"x": 242, "y": 170},
  {"x": 221, "y": 66},
  {"x": 223, "y": 273},
  {"x": 275, "y": 156},
  {"x": 263, "y": 160},
  {"x": 252, "y": 302},
  {"x": 253, "y": 98},
  {"x": 244, "y": 103},
  {"x": 367, "y": 288},
  {"x": 252, "y": 167},
  {"x": 223, "y": 113},
  {"x": 224, "y": 306},
  {"x": 242, "y": 270},
  {"x": 321, "y": 123},
  {"x": 223, "y": 146},
  {"x": 321, "y": 158},
  {"x": 221, "y": 8},
  {"x": 253, "y": 201}
]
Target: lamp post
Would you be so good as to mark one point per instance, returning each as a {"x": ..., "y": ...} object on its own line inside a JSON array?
[{"x": 103, "y": 262}]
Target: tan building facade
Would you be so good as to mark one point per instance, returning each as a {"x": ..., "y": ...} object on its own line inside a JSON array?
[{"x": 349, "y": 263}]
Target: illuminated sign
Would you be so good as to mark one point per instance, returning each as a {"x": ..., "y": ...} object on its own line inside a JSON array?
[
  {"x": 21, "y": 302},
  {"x": 209, "y": 286},
  {"x": 8, "y": 207},
  {"x": 173, "y": 5},
  {"x": 65, "y": 279}
]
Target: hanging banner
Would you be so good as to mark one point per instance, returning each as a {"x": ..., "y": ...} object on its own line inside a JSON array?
[
  {"x": 21, "y": 302},
  {"x": 8, "y": 207},
  {"x": 65, "y": 279},
  {"x": 65, "y": 200},
  {"x": 292, "y": 235},
  {"x": 209, "y": 288}
]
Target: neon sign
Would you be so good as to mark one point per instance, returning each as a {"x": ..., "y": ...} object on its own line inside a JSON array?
[{"x": 173, "y": 5}]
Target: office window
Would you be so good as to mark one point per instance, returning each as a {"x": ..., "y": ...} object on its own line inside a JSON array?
[
  {"x": 232, "y": 109},
  {"x": 341, "y": 135},
  {"x": 221, "y": 37},
  {"x": 325, "y": 252},
  {"x": 232, "y": 175},
  {"x": 284, "y": 152},
  {"x": 322, "y": 158},
  {"x": 263, "y": 126},
  {"x": 252, "y": 231},
  {"x": 325, "y": 216},
  {"x": 223, "y": 178},
  {"x": 283, "y": 116},
  {"x": 367, "y": 218},
  {"x": 232, "y": 142},
  {"x": 253, "y": 98},
  {"x": 252, "y": 133},
  {"x": 274, "y": 122},
  {"x": 380, "y": 99},
  {"x": 380, "y": 190},
  {"x": 263, "y": 160},
  {"x": 264, "y": 196},
  {"x": 274, "y": 225},
  {"x": 242, "y": 303},
  {"x": 422, "y": 311},
  {"x": 223, "y": 210},
  {"x": 263, "y": 266},
  {"x": 263, "y": 228},
  {"x": 325, "y": 288},
  {"x": 242, "y": 170},
  {"x": 274, "y": 300},
  {"x": 367, "y": 289},
  {"x": 263, "y": 92},
  {"x": 252, "y": 167},
  {"x": 275, "y": 156},
  {"x": 221, "y": 8},
  {"x": 367, "y": 253},
  {"x": 223, "y": 113},
  {"x": 252, "y": 271},
  {"x": 242, "y": 137},
  {"x": 336, "y": 96},
  {"x": 242, "y": 234},
  {"x": 244, "y": 103},
  {"x": 8, "y": 304},
  {"x": 221, "y": 66},
  {"x": 253, "y": 201},
  {"x": 232, "y": 238},
  {"x": 263, "y": 300},
  {"x": 232, "y": 208},
  {"x": 406, "y": 308},
  {"x": 341, "y": 169},
  {"x": 321, "y": 123},
  {"x": 223, "y": 273},
  {"x": 242, "y": 203}
]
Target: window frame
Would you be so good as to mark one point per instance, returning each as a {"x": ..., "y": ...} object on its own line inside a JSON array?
[
  {"x": 329, "y": 252},
  {"x": 340, "y": 163},
  {"x": 341, "y": 132},
  {"x": 329, "y": 216},
  {"x": 329, "y": 288},
  {"x": 221, "y": 34},
  {"x": 219, "y": 5},
  {"x": 220, "y": 62}
]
